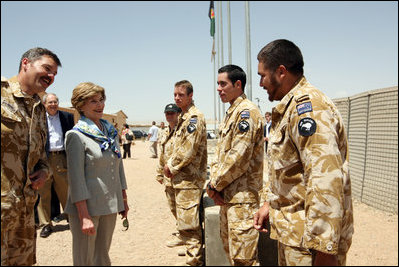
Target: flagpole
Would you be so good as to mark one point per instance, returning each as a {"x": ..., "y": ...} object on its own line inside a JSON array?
[
  {"x": 221, "y": 44},
  {"x": 218, "y": 53},
  {"x": 229, "y": 31},
  {"x": 214, "y": 96},
  {"x": 248, "y": 51}
]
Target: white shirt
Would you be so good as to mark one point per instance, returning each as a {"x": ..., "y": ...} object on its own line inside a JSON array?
[
  {"x": 55, "y": 132},
  {"x": 154, "y": 133}
]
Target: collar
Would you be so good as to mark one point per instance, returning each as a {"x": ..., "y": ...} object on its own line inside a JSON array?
[
  {"x": 188, "y": 112},
  {"x": 281, "y": 107},
  {"x": 17, "y": 91},
  {"x": 235, "y": 104},
  {"x": 52, "y": 116}
]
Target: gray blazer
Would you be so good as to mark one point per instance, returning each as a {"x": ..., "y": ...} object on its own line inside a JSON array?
[{"x": 93, "y": 175}]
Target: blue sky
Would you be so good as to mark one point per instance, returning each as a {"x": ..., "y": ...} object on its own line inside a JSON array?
[{"x": 138, "y": 50}]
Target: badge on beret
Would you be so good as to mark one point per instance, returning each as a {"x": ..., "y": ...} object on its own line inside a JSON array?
[
  {"x": 243, "y": 126},
  {"x": 304, "y": 107},
  {"x": 193, "y": 120},
  {"x": 307, "y": 127},
  {"x": 191, "y": 128},
  {"x": 245, "y": 114}
]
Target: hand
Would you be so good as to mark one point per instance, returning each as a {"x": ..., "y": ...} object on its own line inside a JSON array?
[
  {"x": 215, "y": 195},
  {"x": 324, "y": 259},
  {"x": 87, "y": 226},
  {"x": 124, "y": 212},
  {"x": 167, "y": 172},
  {"x": 38, "y": 178},
  {"x": 261, "y": 217}
]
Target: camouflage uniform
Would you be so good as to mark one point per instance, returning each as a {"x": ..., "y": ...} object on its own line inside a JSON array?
[
  {"x": 23, "y": 136},
  {"x": 166, "y": 145},
  {"x": 188, "y": 165},
  {"x": 237, "y": 173},
  {"x": 309, "y": 191}
]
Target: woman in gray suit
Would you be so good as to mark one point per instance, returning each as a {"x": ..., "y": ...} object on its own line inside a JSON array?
[{"x": 97, "y": 183}]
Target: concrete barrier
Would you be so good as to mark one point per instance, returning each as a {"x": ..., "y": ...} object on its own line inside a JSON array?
[{"x": 214, "y": 252}]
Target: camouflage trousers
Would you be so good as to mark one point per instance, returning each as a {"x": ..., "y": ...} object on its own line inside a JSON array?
[
  {"x": 188, "y": 224},
  {"x": 18, "y": 235},
  {"x": 296, "y": 256},
  {"x": 240, "y": 239},
  {"x": 170, "y": 196}
]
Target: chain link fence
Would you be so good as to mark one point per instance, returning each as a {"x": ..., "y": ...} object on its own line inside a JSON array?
[{"x": 371, "y": 120}]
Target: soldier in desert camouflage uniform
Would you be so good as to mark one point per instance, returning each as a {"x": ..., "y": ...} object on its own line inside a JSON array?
[
  {"x": 187, "y": 169},
  {"x": 24, "y": 166},
  {"x": 166, "y": 145},
  {"x": 237, "y": 171},
  {"x": 309, "y": 191}
]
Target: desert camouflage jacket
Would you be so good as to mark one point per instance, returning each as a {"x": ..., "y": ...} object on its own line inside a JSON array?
[
  {"x": 23, "y": 137},
  {"x": 309, "y": 190},
  {"x": 189, "y": 156},
  {"x": 166, "y": 145},
  {"x": 237, "y": 170}
]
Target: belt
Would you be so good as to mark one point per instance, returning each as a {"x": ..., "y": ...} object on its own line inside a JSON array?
[{"x": 57, "y": 152}]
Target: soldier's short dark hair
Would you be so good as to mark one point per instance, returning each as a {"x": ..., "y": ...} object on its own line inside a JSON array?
[
  {"x": 234, "y": 73},
  {"x": 282, "y": 52},
  {"x": 36, "y": 53}
]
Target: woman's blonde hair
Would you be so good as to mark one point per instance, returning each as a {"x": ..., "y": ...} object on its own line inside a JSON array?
[{"x": 84, "y": 91}]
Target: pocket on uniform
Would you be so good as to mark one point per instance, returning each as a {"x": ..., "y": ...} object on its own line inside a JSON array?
[{"x": 226, "y": 137}]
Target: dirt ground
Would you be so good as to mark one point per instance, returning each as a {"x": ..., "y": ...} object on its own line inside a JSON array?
[{"x": 375, "y": 241}]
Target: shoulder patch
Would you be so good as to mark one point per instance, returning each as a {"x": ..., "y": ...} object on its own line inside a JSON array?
[
  {"x": 243, "y": 126},
  {"x": 245, "y": 114},
  {"x": 304, "y": 107},
  {"x": 191, "y": 128},
  {"x": 307, "y": 127}
]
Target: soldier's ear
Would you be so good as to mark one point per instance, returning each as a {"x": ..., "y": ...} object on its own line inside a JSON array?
[{"x": 238, "y": 84}]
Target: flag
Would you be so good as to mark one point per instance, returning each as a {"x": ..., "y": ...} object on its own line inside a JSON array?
[{"x": 211, "y": 15}]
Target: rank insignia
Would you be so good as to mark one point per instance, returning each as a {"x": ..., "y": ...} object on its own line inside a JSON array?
[
  {"x": 306, "y": 127},
  {"x": 245, "y": 114},
  {"x": 243, "y": 126},
  {"x": 304, "y": 107},
  {"x": 193, "y": 120},
  {"x": 191, "y": 128}
]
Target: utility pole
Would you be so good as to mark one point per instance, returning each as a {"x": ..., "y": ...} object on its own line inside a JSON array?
[{"x": 248, "y": 51}]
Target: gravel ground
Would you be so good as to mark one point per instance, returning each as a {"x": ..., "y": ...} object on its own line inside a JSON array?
[{"x": 375, "y": 242}]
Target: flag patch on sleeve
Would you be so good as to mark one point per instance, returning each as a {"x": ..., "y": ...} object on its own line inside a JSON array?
[
  {"x": 245, "y": 114},
  {"x": 304, "y": 107}
]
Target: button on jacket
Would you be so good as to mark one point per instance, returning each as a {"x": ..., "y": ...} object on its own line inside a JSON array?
[
  {"x": 237, "y": 170},
  {"x": 309, "y": 190},
  {"x": 23, "y": 136},
  {"x": 189, "y": 157},
  {"x": 166, "y": 144},
  {"x": 93, "y": 175}
]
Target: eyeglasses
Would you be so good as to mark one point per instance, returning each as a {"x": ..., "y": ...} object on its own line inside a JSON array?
[{"x": 125, "y": 224}]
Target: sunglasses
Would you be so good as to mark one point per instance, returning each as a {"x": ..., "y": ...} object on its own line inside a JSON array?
[{"x": 125, "y": 224}]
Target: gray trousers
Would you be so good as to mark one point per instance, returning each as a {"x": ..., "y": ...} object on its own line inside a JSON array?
[{"x": 92, "y": 250}]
